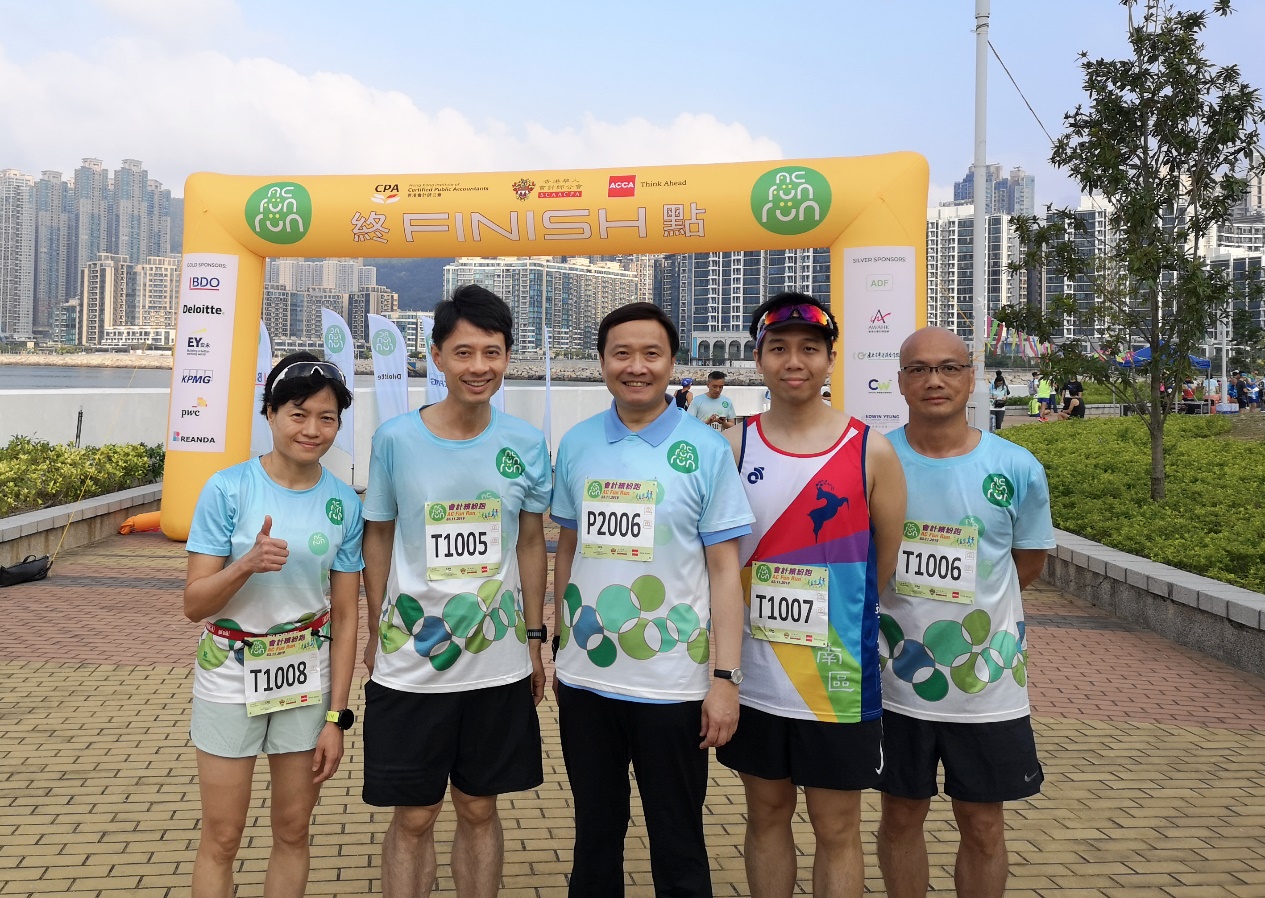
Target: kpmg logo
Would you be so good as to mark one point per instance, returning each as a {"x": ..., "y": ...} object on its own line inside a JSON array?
[
  {"x": 196, "y": 376},
  {"x": 622, "y": 185},
  {"x": 280, "y": 212}
]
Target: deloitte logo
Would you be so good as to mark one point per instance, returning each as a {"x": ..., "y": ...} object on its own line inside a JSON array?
[
  {"x": 384, "y": 342},
  {"x": 280, "y": 212},
  {"x": 334, "y": 340},
  {"x": 790, "y": 200}
]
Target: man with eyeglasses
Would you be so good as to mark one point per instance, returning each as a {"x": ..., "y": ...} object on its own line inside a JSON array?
[
  {"x": 829, "y": 500},
  {"x": 976, "y": 533}
]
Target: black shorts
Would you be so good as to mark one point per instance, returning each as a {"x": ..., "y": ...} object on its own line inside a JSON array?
[
  {"x": 983, "y": 762},
  {"x": 486, "y": 740},
  {"x": 810, "y": 753}
]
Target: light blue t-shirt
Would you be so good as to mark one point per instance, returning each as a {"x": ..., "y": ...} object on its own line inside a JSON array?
[
  {"x": 630, "y": 627},
  {"x": 444, "y": 630},
  {"x": 949, "y": 660},
  {"x": 704, "y": 406},
  {"x": 322, "y": 527}
]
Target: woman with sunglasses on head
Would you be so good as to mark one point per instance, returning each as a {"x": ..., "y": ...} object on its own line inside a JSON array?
[{"x": 274, "y": 572}]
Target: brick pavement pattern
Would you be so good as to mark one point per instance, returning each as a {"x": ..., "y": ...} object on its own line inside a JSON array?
[{"x": 1153, "y": 759}]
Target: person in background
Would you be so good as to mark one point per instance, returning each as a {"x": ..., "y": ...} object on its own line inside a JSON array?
[
  {"x": 713, "y": 409},
  {"x": 683, "y": 396},
  {"x": 998, "y": 392}
]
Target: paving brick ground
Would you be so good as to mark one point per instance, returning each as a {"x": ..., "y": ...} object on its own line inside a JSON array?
[{"x": 1153, "y": 756}]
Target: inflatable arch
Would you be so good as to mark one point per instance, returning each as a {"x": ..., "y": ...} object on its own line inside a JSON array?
[{"x": 870, "y": 211}]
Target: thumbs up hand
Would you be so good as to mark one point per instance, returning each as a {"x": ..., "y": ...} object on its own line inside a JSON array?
[{"x": 268, "y": 554}]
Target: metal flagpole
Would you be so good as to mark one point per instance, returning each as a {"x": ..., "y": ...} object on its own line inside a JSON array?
[{"x": 979, "y": 305}]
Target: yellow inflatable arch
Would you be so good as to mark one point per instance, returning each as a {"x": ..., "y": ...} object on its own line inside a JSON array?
[{"x": 870, "y": 211}]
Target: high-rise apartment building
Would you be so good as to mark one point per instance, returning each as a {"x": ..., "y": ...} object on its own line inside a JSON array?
[
  {"x": 108, "y": 289},
  {"x": 91, "y": 201},
  {"x": 157, "y": 291},
  {"x": 55, "y": 275},
  {"x": 17, "y": 255},
  {"x": 950, "y": 267},
  {"x": 1014, "y": 194}
]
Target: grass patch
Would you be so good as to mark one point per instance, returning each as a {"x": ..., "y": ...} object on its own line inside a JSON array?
[
  {"x": 37, "y": 474},
  {"x": 1213, "y": 519}
]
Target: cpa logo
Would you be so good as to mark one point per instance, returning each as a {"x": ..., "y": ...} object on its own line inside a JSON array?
[
  {"x": 386, "y": 193},
  {"x": 756, "y": 475}
]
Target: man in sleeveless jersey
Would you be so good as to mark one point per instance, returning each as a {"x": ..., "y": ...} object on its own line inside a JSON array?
[
  {"x": 455, "y": 571},
  {"x": 651, "y": 510},
  {"x": 954, "y": 649},
  {"x": 829, "y": 500}
]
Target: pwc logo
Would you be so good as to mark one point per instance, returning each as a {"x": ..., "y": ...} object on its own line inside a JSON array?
[{"x": 622, "y": 185}]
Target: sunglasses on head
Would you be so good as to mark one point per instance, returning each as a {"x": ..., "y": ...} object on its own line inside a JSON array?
[
  {"x": 327, "y": 370},
  {"x": 797, "y": 313}
]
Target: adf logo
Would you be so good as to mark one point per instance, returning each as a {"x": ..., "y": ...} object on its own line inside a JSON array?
[
  {"x": 790, "y": 200},
  {"x": 509, "y": 464},
  {"x": 683, "y": 457},
  {"x": 334, "y": 340},
  {"x": 384, "y": 342},
  {"x": 522, "y": 188},
  {"x": 280, "y": 212}
]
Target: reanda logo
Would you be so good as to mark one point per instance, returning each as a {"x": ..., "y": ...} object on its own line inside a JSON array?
[
  {"x": 386, "y": 193},
  {"x": 196, "y": 376},
  {"x": 198, "y": 282},
  {"x": 178, "y": 437},
  {"x": 790, "y": 200},
  {"x": 622, "y": 185},
  {"x": 280, "y": 212}
]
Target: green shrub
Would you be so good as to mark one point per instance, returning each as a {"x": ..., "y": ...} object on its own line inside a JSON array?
[
  {"x": 36, "y": 474},
  {"x": 1213, "y": 519}
]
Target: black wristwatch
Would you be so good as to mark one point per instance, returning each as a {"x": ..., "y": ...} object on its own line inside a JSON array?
[
  {"x": 542, "y": 634},
  {"x": 734, "y": 676},
  {"x": 342, "y": 719}
]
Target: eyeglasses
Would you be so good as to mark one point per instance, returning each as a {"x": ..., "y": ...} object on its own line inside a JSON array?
[
  {"x": 799, "y": 313},
  {"x": 950, "y": 369},
  {"x": 327, "y": 370}
]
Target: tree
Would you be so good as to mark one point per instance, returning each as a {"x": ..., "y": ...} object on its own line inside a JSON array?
[{"x": 1167, "y": 141}]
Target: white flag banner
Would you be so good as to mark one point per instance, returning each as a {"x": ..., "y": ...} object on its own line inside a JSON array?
[
  {"x": 260, "y": 433},
  {"x": 390, "y": 367},
  {"x": 340, "y": 350},
  {"x": 547, "y": 423},
  {"x": 436, "y": 384}
]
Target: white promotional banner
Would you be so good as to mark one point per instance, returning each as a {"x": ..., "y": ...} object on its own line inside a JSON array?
[
  {"x": 436, "y": 384},
  {"x": 390, "y": 367},
  {"x": 260, "y": 433},
  {"x": 878, "y": 314},
  {"x": 340, "y": 350},
  {"x": 198, "y": 414}
]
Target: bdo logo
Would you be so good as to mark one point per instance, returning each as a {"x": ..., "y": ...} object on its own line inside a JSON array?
[
  {"x": 594, "y": 489},
  {"x": 790, "y": 200},
  {"x": 438, "y": 513},
  {"x": 509, "y": 464},
  {"x": 280, "y": 212},
  {"x": 334, "y": 340},
  {"x": 384, "y": 342},
  {"x": 763, "y": 573},
  {"x": 334, "y": 511},
  {"x": 683, "y": 457}
]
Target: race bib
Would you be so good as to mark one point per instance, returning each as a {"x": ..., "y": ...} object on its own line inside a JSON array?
[
  {"x": 283, "y": 670},
  {"x": 937, "y": 561},
  {"x": 790, "y": 603},
  {"x": 617, "y": 519},
  {"x": 463, "y": 539}
]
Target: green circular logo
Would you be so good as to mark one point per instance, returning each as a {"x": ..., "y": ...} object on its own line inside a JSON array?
[
  {"x": 594, "y": 489},
  {"x": 999, "y": 490},
  {"x": 763, "y": 573},
  {"x": 438, "y": 512},
  {"x": 280, "y": 212},
  {"x": 790, "y": 200},
  {"x": 334, "y": 341},
  {"x": 973, "y": 521},
  {"x": 384, "y": 342},
  {"x": 318, "y": 543},
  {"x": 334, "y": 511},
  {"x": 488, "y": 495},
  {"x": 683, "y": 457},
  {"x": 911, "y": 530},
  {"x": 258, "y": 648},
  {"x": 508, "y": 464}
]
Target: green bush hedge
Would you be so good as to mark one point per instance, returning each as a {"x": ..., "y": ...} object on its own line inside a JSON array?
[
  {"x": 1213, "y": 519},
  {"x": 36, "y": 474}
]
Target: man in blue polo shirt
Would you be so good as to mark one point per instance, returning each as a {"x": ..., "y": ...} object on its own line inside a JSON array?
[{"x": 651, "y": 510}]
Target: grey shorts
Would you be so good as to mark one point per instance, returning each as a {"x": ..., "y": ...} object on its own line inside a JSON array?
[{"x": 223, "y": 729}]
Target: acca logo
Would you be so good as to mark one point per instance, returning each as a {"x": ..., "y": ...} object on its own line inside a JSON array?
[{"x": 622, "y": 185}]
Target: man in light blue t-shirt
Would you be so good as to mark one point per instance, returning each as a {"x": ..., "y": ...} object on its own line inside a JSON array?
[
  {"x": 713, "y": 409},
  {"x": 651, "y": 510}
]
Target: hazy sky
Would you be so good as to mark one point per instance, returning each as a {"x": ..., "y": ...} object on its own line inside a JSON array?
[{"x": 317, "y": 86}]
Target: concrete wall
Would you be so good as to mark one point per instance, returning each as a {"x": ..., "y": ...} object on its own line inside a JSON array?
[{"x": 49, "y": 530}]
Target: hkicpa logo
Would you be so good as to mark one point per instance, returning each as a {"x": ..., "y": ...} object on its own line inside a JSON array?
[
  {"x": 334, "y": 339},
  {"x": 438, "y": 513},
  {"x": 999, "y": 490},
  {"x": 384, "y": 342},
  {"x": 509, "y": 464},
  {"x": 280, "y": 212},
  {"x": 334, "y": 511},
  {"x": 763, "y": 573},
  {"x": 790, "y": 200},
  {"x": 683, "y": 457},
  {"x": 522, "y": 188},
  {"x": 318, "y": 543}
]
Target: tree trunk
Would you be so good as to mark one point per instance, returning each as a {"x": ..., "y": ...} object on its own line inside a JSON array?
[{"x": 1155, "y": 421}]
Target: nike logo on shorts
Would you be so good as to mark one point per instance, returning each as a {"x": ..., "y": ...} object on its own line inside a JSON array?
[{"x": 1030, "y": 777}]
